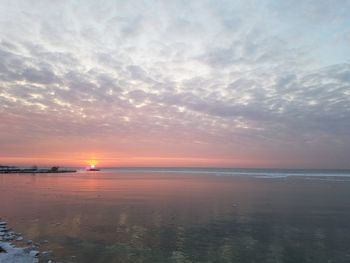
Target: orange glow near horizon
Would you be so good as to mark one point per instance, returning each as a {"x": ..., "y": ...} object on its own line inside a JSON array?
[{"x": 140, "y": 162}]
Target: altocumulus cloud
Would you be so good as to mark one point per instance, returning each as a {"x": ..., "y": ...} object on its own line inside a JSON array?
[{"x": 210, "y": 79}]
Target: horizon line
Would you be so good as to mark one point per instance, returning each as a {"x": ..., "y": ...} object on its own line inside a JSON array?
[{"x": 184, "y": 167}]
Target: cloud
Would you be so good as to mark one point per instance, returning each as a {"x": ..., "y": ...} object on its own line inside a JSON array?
[{"x": 219, "y": 79}]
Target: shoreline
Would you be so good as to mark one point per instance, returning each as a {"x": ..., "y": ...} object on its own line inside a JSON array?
[{"x": 11, "y": 253}]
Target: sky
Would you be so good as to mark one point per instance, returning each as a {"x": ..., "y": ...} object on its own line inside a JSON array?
[{"x": 175, "y": 83}]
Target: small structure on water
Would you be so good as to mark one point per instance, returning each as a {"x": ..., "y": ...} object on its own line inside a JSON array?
[{"x": 92, "y": 168}]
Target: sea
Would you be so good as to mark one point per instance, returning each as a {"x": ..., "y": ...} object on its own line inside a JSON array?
[{"x": 182, "y": 214}]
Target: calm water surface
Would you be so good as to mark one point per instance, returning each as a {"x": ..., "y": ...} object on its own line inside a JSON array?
[{"x": 134, "y": 216}]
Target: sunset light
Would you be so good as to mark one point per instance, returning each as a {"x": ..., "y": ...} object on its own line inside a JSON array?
[{"x": 175, "y": 131}]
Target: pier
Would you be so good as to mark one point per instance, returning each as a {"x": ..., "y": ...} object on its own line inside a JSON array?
[{"x": 34, "y": 169}]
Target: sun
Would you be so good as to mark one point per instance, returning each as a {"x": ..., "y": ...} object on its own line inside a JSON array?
[{"x": 92, "y": 163}]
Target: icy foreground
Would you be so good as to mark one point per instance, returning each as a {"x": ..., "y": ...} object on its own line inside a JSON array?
[
  {"x": 16, "y": 255},
  {"x": 11, "y": 254}
]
